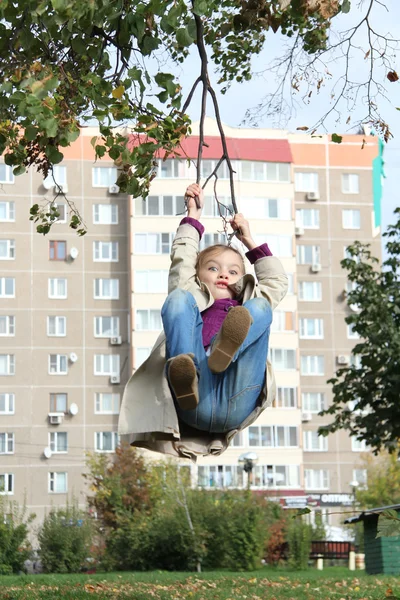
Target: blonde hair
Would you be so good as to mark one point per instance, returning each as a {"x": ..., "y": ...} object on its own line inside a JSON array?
[{"x": 213, "y": 250}]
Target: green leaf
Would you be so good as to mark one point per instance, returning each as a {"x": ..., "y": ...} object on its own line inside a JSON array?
[
  {"x": 300, "y": 512},
  {"x": 54, "y": 155},
  {"x": 51, "y": 127},
  {"x": 183, "y": 37},
  {"x": 337, "y": 139},
  {"x": 149, "y": 43},
  {"x": 20, "y": 170},
  {"x": 388, "y": 524},
  {"x": 79, "y": 45},
  {"x": 200, "y": 7},
  {"x": 31, "y": 133},
  {"x": 346, "y": 5}
]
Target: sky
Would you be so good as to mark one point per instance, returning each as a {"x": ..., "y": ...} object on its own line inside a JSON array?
[{"x": 240, "y": 97}]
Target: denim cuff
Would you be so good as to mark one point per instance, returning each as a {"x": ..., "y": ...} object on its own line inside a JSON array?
[
  {"x": 259, "y": 252},
  {"x": 194, "y": 223}
]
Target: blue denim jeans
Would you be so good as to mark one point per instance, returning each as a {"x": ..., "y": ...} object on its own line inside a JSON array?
[{"x": 225, "y": 399}]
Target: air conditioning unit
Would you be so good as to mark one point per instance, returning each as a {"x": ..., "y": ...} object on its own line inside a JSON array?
[
  {"x": 312, "y": 196},
  {"x": 343, "y": 359},
  {"x": 115, "y": 379},
  {"x": 116, "y": 341},
  {"x": 299, "y": 231},
  {"x": 316, "y": 267},
  {"x": 306, "y": 417},
  {"x": 55, "y": 418},
  {"x": 61, "y": 189},
  {"x": 113, "y": 189}
]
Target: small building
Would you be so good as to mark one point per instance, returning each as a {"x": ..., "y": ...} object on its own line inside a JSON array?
[{"x": 382, "y": 554}]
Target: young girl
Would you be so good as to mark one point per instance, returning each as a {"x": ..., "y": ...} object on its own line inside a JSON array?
[{"x": 207, "y": 376}]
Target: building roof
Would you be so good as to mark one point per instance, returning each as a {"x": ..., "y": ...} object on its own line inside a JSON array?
[{"x": 371, "y": 512}]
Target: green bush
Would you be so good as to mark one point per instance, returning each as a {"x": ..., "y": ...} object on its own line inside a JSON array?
[
  {"x": 65, "y": 539},
  {"x": 299, "y": 541},
  {"x": 14, "y": 546}
]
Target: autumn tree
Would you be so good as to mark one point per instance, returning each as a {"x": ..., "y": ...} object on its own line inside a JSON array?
[
  {"x": 382, "y": 482},
  {"x": 366, "y": 393}
]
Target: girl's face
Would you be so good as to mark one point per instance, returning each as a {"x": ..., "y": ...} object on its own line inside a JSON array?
[{"x": 221, "y": 270}]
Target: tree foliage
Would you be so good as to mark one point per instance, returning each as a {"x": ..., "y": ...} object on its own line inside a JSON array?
[
  {"x": 372, "y": 382},
  {"x": 383, "y": 481}
]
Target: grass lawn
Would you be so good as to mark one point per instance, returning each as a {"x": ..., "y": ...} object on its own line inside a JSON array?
[{"x": 267, "y": 584}]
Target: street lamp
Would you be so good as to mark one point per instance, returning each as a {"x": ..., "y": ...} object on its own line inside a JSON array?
[{"x": 248, "y": 460}]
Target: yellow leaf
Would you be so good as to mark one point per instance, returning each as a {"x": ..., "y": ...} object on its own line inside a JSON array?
[{"x": 118, "y": 92}]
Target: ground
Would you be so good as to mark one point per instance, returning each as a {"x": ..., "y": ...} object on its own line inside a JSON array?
[{"x": 268, "y": 584}]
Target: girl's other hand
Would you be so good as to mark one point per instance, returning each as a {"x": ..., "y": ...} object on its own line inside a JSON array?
[
  {"x": 194, "y": 193},
  {"x": 241, "y": 227}
]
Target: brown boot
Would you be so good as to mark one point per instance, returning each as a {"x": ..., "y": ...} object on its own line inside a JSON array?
[
  {"x": 183, "y": 380},
  {"x": 229, "y": 339}
]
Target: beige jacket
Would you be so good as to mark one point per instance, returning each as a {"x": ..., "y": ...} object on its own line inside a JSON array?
[{"x": 148, "y": 418}]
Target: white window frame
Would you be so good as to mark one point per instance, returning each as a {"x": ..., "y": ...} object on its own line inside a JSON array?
[
  {"x": 60, "y": 358},
  {"x": 310, "y": 363},
  {"x": 9, "y": 480},
  {"x": 316, "y": 324},
  {"x": 99, "y": 403},
  {"x": 350, "y": 183},
  {"x": 316, "y": 287},
  {"x": 312, "y": 442},
  {"x": 306, "y": 181},
  {"x": 156, "y": 282},
  {"x": 286, "y": 398},
  {"x": 101, "y": 332},
  {"x": 211, "y": 209},
  {"x": 361, "y": 476},
  {"x": 239, "y": 440},
  {"x": 9, "y": 403},
  {"x": 285, "y": 353},
  {"x": 312, "y": 402},
  {"x": 10, "y": 249},
  {"x": 100, "y": 285},
  {"x": 278, "y": 324},
  {"x": 3, "y": 287},
  {"x": 57, "y": 326},
  {"x": 61, "y": 207},
  {"x": 9, "y": 211},
  {"x": 280, "y": 245},
  {"x": 53, "y": 282},
  {"x": 105, "y": 219},
  {"x": 351, "y": 335},
  {"x": 115, "y": 364},
  {"x": 142, "y": 206},
  {"x": 10, "y": 364},
  {"x": 99, "y": 437},
  {"x": 9, "y": 325},
  {"x": 320, "y": 481},
  {"x": 53, "y": 443},
  {"x": 312, "y": 223},
  {"x": 150, "y": 313},
  {"x": 52, "y": 480},
  {"x": 9, "y": 443},
  {"x": 6, "y": 174},
  {"x": 358, "y": 445},
  {"x": 56, "y": 408},
  {"x": 220, "y": 476},
  {"x": 301, "y": 254},
  {"x": 269, "y": 477},
  {"x": 178, "y": 168},
  {"x": 351, "y": 218},
  {"x": 262, "y": 208},
  {"x": 57, "y": 177},
  {"x": 273, "y": 435},
  {"x": 105, "y": 252},
  {"x": 264, "y": 170},
  {"x": 153, "y": 239},
  {"x": 111, "y": 176}
]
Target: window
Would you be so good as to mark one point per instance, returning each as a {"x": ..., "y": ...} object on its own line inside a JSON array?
[
  {"x": 238, "y": 440},
  {"x": 7, "y": 364},
  {"x": 7, "y": 249},
  {"x": 314, "y": 442},
  {"x": 148, "y": 320},
  {"x": 208, "y": 166},
  {"x": 316, "y": 479},
  {"x": 151, "y": 282},
  {"x": 312, "y": 365},
  {"x": 160, "y": 205},
  {"x": 6, "y": 483},
  {"x": 106, "y": 404},
  {"x": 105, "y": 251},
  {"x": 350, "y": 183},
  {"x": 57, "y": 177},
  {"x": 351, "y": 334},
  {"x": 7, "y": 325},
  {"x": 275, "y": 476},
  {"x": 59, "y": 403},
  {"x": 58, "y": 364},
  {"x": 282, "y": 321},
  {"x": 308, "y": 255},
  {"x": 286, "y": 397},
  {"x": 7, "y": 287},
  {"x": 106, "y": 327},
  {"x": 267, "y": 208},
  {"x": 280, "y": 245},
  {"x": 106, "y": 289},
  {"x": 312, "y": 402},
  {"x": 209, "y": 239},
  {"x": 306, "y": 182},
  {"x": 310, "y": 291},
  {"x": 283, "y": 359},
  {"x": 360, "y": 475},
  {"x": 6, "y": 174},
  {"x": 57, "y": 326},
  {"x": 260, "y": 171},
  {"x": 7, "y": 403},
  {"x": 7, "y": 211},
  {"x": 141, "y": 354},
  {"x": 106, "y": 364},
  {"x": 346, "y": 254},
  {"x": 308, "y": 218},
  {"x": 57, "y": 250},
  {"x": 62, "y": 211},
  {"x": 358, "y": 445},
  {"x": 351, "y": 219},
  {"x": 106, "y": 441},
  {"x": 104, "y": 176},
  {"x": 57, "y": 288},
  {"x": 212, "y": 209},
  {"x": 153, "y": 243},
  {"x": 58, "y": 483},
  {"x": 58, "y": 442},
  {"x": 273, "y": 436},
  {"x": 171, "y": 168},
  {"x": 312, "y": 329},
  {"x": 356, "y": 361},
  {"x": 220, "y": 476},
  {"x": 105, "y": 214},
  {"x": 6, "y": 443}
]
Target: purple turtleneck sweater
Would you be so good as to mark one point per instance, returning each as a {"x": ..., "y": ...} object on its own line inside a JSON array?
[{"x": 214, "y": 316}]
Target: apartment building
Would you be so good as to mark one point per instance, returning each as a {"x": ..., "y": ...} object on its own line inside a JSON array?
[{"x": 77, "y": 315}]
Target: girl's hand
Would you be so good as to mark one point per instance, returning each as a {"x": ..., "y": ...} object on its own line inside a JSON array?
[
  {"x": 241, "y": 227},
  {"x": 194, "y": 192}
]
